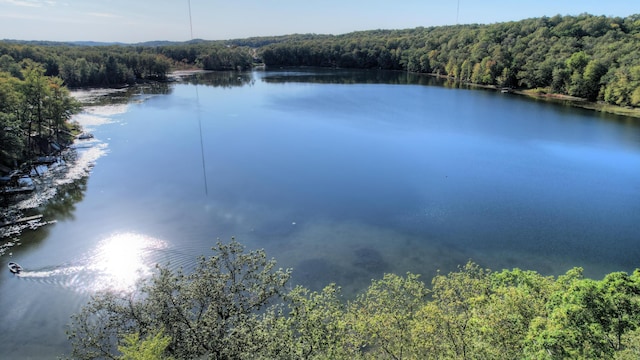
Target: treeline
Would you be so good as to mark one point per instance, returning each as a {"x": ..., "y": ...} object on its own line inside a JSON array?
[
  {"x": 89, "y": 65},
  {"x": 593, "y": 57},
  {"x": 237, "y": 305},
  {"x": 117, "y": 65},
  {"x": 34, "y": 112}
]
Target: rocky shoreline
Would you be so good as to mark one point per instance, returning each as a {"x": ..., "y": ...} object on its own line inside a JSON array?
[
  {"x": 62, "y": 177},
  {"x": 22, "y": 211}
]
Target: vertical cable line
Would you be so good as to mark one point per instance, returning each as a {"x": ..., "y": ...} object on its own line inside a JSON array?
[
  {"x": 198, "y": 114},
  {"x": 457, "y": 12},
  {"x": 204, "y": 166},
  {"x": 190, "y": 20}
]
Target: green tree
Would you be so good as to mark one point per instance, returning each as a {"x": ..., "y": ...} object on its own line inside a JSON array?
[
  {"x": 624, "y": 87},
  {"x": 588, "y": 319},
  {"x": 593, "y": 73},
  {"x": 578, "y": 61},
  {"x": 12, "y": 142},
  {"x": 152, "y": 347},
  {"x": 212, "y": 312},
  {"x": 449, "y": 325},
  {"x": 560, "y": 80},
  {"x": 516, "y": 298},
  {"x": 9, "y": 65},
  {"x": 383, "y": 316},
  {"x": 314, "y": 326},
  {"x": 631, "y": 350},
  {"x": 59, "y": 108},
  {"x": 35, "y": 92},
  {"x": 466, "y": 70}
]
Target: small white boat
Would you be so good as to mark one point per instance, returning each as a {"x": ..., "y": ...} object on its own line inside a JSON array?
[{"x": 14, "y": 267}]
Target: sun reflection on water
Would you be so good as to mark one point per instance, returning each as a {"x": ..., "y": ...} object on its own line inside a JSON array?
[{"x": 122, "y": 259}]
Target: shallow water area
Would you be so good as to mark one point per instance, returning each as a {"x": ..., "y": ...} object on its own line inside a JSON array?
[{"x": 340, "y": 175}]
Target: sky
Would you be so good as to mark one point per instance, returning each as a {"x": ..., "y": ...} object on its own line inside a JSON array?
[{"x": 132, "y": 21}]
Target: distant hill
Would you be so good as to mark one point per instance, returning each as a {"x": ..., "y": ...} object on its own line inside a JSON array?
[
  {"x": 154, "y": 43},
  {"x": 94, "y": 43}
]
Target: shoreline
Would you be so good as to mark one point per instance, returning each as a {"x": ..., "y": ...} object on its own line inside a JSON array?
[
  {"x": 179, "y": 74},
  {"x": 24, "y": 210},
  {"x": 582, "y": 103},
  {"x": 557, "y": 98}
]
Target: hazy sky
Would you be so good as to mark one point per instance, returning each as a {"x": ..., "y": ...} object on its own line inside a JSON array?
[{"x": 146, "y": 20}]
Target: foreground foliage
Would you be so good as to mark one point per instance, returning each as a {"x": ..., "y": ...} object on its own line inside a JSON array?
[
  {"x": 234, "y": 306},
  {"x": 212, "y": 311},
  {"x": 151, "y": 348}
]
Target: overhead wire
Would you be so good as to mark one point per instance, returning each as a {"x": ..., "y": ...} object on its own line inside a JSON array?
[{"x": 199, "y": 115}]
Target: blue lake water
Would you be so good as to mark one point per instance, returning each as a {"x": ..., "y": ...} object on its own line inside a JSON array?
[{"x": 341, "y": 175}]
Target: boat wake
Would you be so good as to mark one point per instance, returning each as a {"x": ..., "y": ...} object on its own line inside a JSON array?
[
  {"x": 48, "y": 274},
  {"x": 64, "y": 276},
  {"x": 117, "y": 263}
]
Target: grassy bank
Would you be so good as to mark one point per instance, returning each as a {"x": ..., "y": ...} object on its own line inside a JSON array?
[{"x": 580, "y": 102}]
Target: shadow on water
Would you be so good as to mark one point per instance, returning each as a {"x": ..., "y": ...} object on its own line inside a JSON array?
[
  {"x": 223, "y": 79},
  {"x": 59, "y": 188},
  {"x": 119, "y": 96},
  {"x": 63, "y": 205},
  {"x": 343, "y": 76},
  {"x": 25, "y": 237},
  {"x": 142, "y": 92}
]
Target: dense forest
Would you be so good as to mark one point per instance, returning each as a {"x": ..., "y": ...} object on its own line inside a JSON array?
[
  {"x": 586, "y": 56},
  {"x": 237, "y": 305},
  {"x": 34, "y": 113},
  {"x": 117, "y": 65},
  {"x": 592, "y": 57}
]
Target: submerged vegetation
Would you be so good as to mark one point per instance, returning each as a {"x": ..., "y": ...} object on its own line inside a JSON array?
[{"x": 237, "y": 305}]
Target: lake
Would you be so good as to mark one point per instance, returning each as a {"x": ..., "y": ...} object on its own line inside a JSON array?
[{"x": 341, "y": 175}]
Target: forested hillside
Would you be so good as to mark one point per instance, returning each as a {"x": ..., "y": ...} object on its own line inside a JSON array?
[
  {"x": 116, "y": 65},
  {"x": 591, "y": 57}
]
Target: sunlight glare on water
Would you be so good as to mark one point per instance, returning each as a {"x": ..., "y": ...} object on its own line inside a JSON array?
[{"x": 122, "y": 259}]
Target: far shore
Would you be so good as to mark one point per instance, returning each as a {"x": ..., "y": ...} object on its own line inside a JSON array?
[
  {"x": 565, "y": 99},
  {"x": 582, "y": 103},
  {"x": 532, "y": 93}
]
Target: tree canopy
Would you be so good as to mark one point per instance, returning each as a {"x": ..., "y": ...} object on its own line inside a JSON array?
[
  {"x": 34, "y": 112},
  {"x": 237, "y": 305},
  {"x": 593, "y": 57},
  {"x": 213, "y": 311}
]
